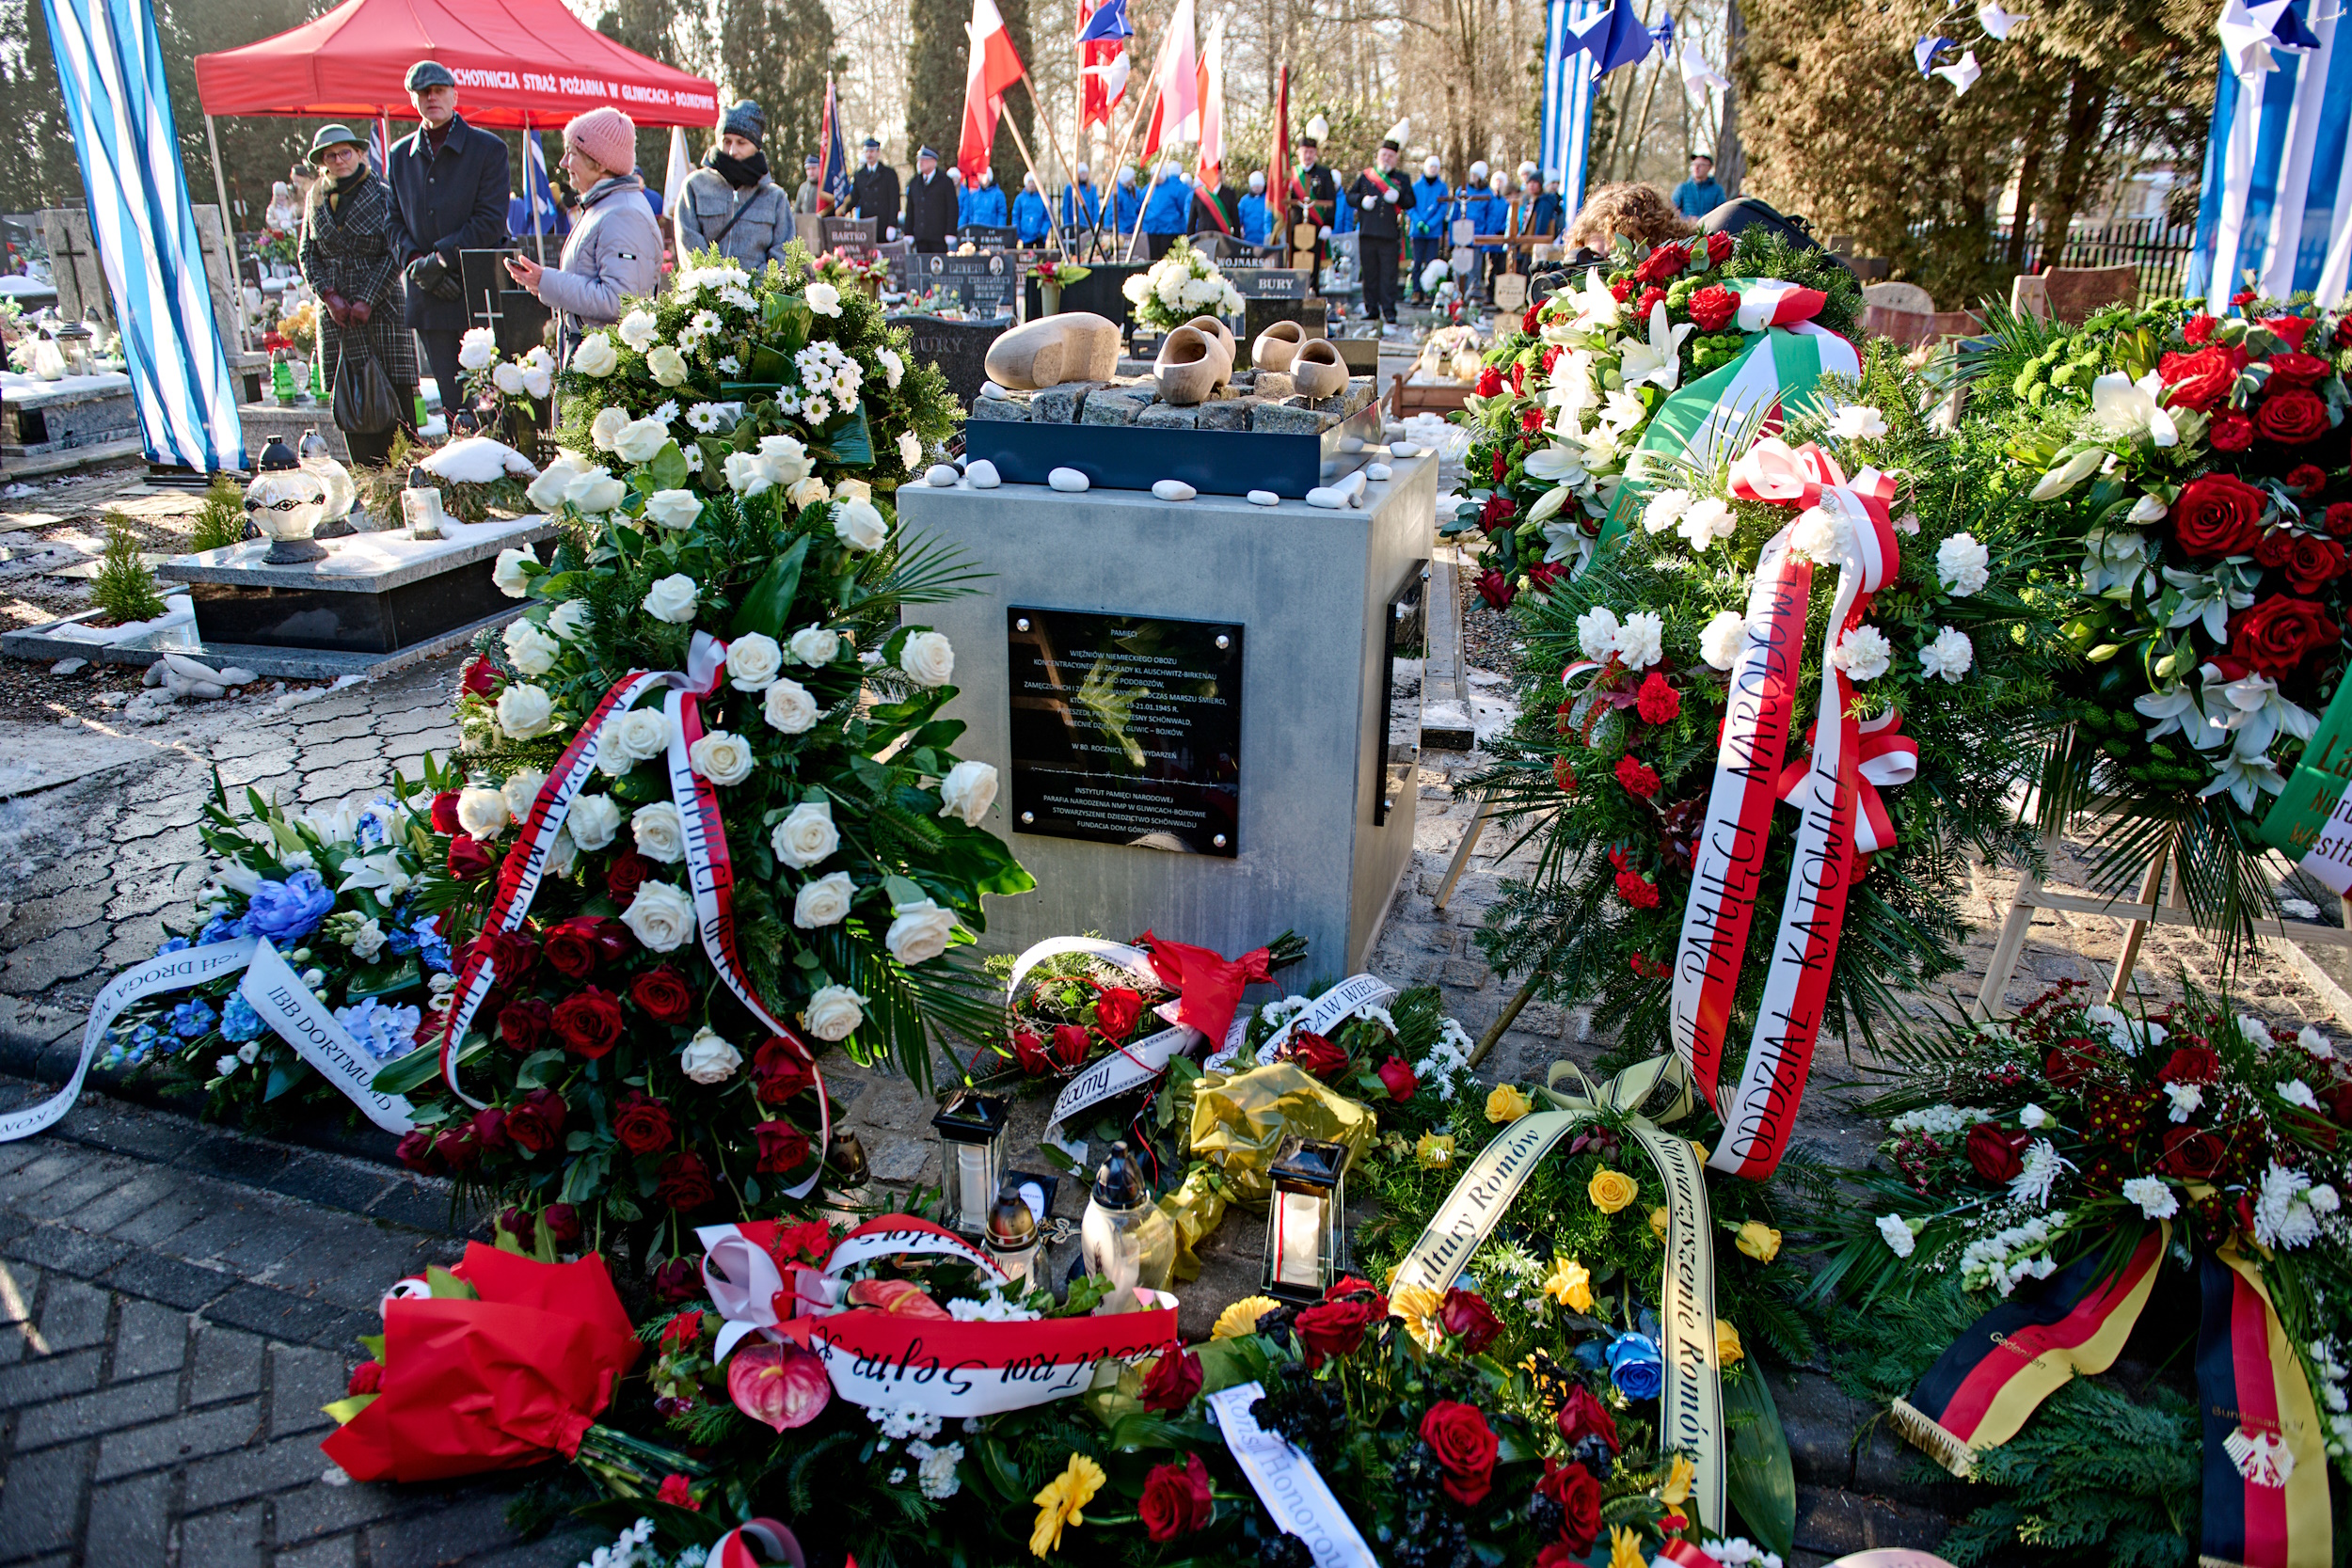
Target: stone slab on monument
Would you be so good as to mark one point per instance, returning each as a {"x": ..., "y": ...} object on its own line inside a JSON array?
[{"x": 1219, "y": 792}]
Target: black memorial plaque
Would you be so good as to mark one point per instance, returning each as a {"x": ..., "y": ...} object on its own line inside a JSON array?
[
  {"x": 1126, "y": 729},
  {"x": 984, "y": 284},
  {"x": 853, "y": 237}
]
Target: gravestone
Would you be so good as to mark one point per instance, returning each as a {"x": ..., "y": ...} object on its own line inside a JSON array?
[
  {"x": 74, "y": 263},
  {"x": 1260, "y": 312},
  {"x": 1100, "y": 292},
  {"x": 853, "y": 237},
  {"x": 959, "y": 349},
  {"x": 220, "y": 278},
  {"x": 988, "y": 236},
  {"x": 984, "y": 284}
]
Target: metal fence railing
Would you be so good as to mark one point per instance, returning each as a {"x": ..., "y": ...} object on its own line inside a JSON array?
[{"x": 2159, "y": 249}]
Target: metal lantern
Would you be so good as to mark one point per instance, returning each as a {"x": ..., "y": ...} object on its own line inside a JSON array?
[
  {"x": 1012, "y": 1239},
  {"x": 971, "y": 1127},
  {"x": 1302, "y": 1233},
  {"x": 286, "y": 503}
]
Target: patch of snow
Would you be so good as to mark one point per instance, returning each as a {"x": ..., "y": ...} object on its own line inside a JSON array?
[{"x": 479, "y": 460}]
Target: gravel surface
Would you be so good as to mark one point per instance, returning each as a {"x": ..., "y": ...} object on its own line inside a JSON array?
[{"x": 1490, "y": 639}]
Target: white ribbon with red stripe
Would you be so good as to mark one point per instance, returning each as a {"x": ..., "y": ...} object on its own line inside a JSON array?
[
  {"x": 747, "y": 1284},
  {"x": 1759, "y": 1113},
  {"x": 710, "y": 868},
  {"x": 1888, "y": 758},
  {"x": 733, "y": 1549}
]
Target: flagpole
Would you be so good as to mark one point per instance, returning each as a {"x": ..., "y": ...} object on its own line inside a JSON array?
[
  {"x": 1134, "y": 121},
  {"x": 531, "y": 194},
  {"x": 1051, "y": 225}
]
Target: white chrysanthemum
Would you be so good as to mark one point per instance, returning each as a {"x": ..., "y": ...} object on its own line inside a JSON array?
[
  {"x": 2154, "y": 1196},
  {"x": 2187, "y": 1099},
  {"x": 1949, "y": 657},
  {"x": 1719, "y": 643},
  {"x": 1857, "y": 421},
  {"x": 2282, "y": 1215},
  {"x": 1864, "y": 653},
  {"x": 638, "y": 329},
  {"x": 1963, "y": 565}
]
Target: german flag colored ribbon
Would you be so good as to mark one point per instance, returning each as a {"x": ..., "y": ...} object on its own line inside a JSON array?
[{"x": 2265, "y": 1476}]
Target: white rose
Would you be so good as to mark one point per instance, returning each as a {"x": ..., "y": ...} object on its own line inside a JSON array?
[
  {"x": 672, "y": 599},
  {"x": 1949, "y": 655},
  {"x": 507, "y": 378},
  {"x": 787, "y": 460},
  {"x": 638, "y": 735},
  {"x": 1961, "y": 565},
  {"x": 746, "y": 474},
  {"x": 1863, "y": 653},
  {"x": 853, "y": 490},
  {"x": 909, "y": 450},
  {"x": 806, "y": 835},
  {"x": 538, "y": 381},
  {"x": 788, "y": 707},
  {"x": 674, "y": 508},
  {"x": 642, "y": 441},
  {"x": 858, "y": 525},
  {"x": 477, "y": 350},
  {"x": 483, "y": 812},
  {"x": 606, "y": 426},
  {"x": 967, "y": 791},
  {"x": 825, "y": 300},
  {"x": 521, "y": 791},
  {"x": 596, "y": 355},
  {"x": 593, "y": 820},
  {"x": 927, "y": 659},
  {"x": 893, "y": 368},
  {"x": 816, "y": 645},
  {"x": 1719, "y": 643},
  {"x": 920, "y": 932},
  {"x": 569, "y": 619},
  {"x": 708, "y": 1059},
  {"x": 721, "y": 756},
  {"x": 638, "y": 329},
  {"x": 752, "y": 660},
  {"x": 508, "y": 574},
  {"x": 660, "y": 833},
  {"x": 562, "y": 854},
  {"x": 595, "y": 491},
  {"x": 524, "y": 711},
  {"x": 554, "y": 482},
  {"x": 667, "y": 365},
  {"x": 530, "y": 649},
  {"x": 824, "y": 901},
  {"x": 808, "y": 492},
  {"x": 834, "y": 1013}
]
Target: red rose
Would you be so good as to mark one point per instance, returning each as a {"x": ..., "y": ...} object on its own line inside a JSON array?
[
  {"x": 481, "y": 678},
  {"x": 1499, "y": 510},
  {"x": 1489, "y": 383},
  {"x": 1718, "y": 249},
  {"x": 457, "y": 1148},
  {"x": 2232, "y": 431},
  {"x": 642, "y": 1123},
  {"x": 2289, "y": 329},
  {"x": 366, "y": 1378},
  {"x": 1172, "y": 1381},
  {"x": 1527, "y": 321},
  {"x": 1993, "y": 1153},
  {"x": 1498, "y": 466},
  {"x": 571, "y": 948},
  {"x": 679, "y": 1279},
  {"x": 1550, "y": 358},
  {"x": 2311, "y": 561},
  {"x": 1335, "y": 1327},
  {"x": 1621, "y": 290},
  {"x": 1496, "y": 589},
  {"x": 445, "y": 812},
  {"x": 415, "y": 1150},
  {"x": 2244, "y": 297},
  {"x": 490, "y": 1127},
  {"x": 2291, "y": 417},
  {"x": 2338, "y": 520},
  {"x": 1637, "y": 890},
  {"x": 1662, "y": 264},
  {"x": 467, "y": 860},
  {"x": 2217, "y": 515},
  {"x": 561, "y": 1221},
  {"x": 2198, "y": 328},
  {"x": 1115, "y": 1010},
  {"x": 782, "y": 1146},
  {"x": 1029, "y": 1050},
  {"x": 684, "y": 1184},
  {"x": 534, "y": 1125},
  {"x": 2274, "y": 636},
  {"x": 1639, "y": 777},
  {"x": 1398, "y": 1078},
  {"x": 2192, "y": 1063},
  {"x": 678, "y": 1493},
  {"x": 782, "y": 1069},
  {"x": 2296, "y": 370},
  {"x": 1572, "y": 1486},
  {"x": 1582, "y": 1415},
  {"x": 589, "y": 1021},
  {"x": 1469, "y": 1317},
  {"x": 1465, "y": 1446},
  {"x": 661, "y": 993},
  {"x": 2307, "y": 479},
  {"x": 2191, "y": 1154},
  {"x": 1176, "y": 1499},
  {"x": 1714, "y": 309},
  {"x": 1555, "y": 1554},
  {"x": 1531, "y": 421},
  {"x": 2071, "y": 1062},
  {"x": 1657, "y": 702},
  {"x": 626, "y": 874},
  {"x": 524, "y": 1023},
  {"x": 1070, "y": 1044},
  {"x": 2202, "y": 379},
  {"x": 2273, "y": 549},
  {"x": 1650, "y": 298},
  {"x": 1317, "y": 1055},
  {"x": 1545, "y": 576}
]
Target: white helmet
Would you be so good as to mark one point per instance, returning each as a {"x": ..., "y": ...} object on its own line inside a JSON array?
[{"x": 1084, "y": 172}]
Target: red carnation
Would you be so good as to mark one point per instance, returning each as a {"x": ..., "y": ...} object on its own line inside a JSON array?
[
  {"x": 1639, "y": 777},
  {"x": 1996, "y": 1154},
  {"x": 2338, "y": 520},
  {"x": 589, "y": 1021},
  {"x": 524, "y": 1023},
  {"x": 2232, "y": 431},
  {"x": 1176, "y": 1500},
  {"x": 1550, "y": 358},
  {"x": 2198, "y": 328},
  {"x": 1070, "y": 1044},
  {"x": 1583, "y": 1415},
  {"x": 684, "y": 1184},
  {"x": 642, "y": 1123},
  {"x": 1651, "y": 298},
  {"x": 2274, "y": 636},
  {"x": 1397, "y": 1077},
  {"x": 1714, "y": 309},
  {"x": 2296, "y": 370},
  {"x": 678, "y": 1493},
  {"x": 1465, "y": 1446},
  {"x": 571, "y": 946},
  {"x": 1115, "y": 1010},
  {"x": 1467, "y": 1316},
  {"x": 2217, "y": 515},
  {"x": 2291, "y": 417},
  {"x": 1496, "y": 589},
  {"x": 1622, "y": 289},
  {"x": 1637, "y": 890},
  {"x": 782, "y": 1146},
  {"x": 1572, "y": 1486},
  {"x": 537, "y": 1121},
  {"x": 445, "y": 812},
  {"x": 2311, "y": 561},
  {"x": 467, "y": 860},
  {"x": 366, "y": 1378},
  {"x": 1563, "y": 775},
  {"x": 1531, "y": 421},
  {"x": 661, "y": 993},
  {"x": 2307, "y": 479},
  {"x": 2203, "y": 379},
  {"x": 1489, "y": 383},
  {"x": 1172, "y": 1381},
  {"x": 1657, "y": 702},
  {"x": 626, "y": 874},
  {"x": 1317, "y": 1055}
]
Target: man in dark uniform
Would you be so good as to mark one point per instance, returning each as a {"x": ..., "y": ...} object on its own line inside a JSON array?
[
  {"x": 449, "y": 194},
  {"x": 930, "y": 205},
  {"x": 1322, "y": 204},
  {"x": 1383, "y": 197},
  {"x": 874, "y": 191}
]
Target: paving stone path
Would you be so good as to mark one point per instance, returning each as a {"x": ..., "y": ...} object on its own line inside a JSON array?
[{"x": 176, "y": 1302}]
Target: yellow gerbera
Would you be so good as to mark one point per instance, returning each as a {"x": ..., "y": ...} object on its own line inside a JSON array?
[
  {"x": 1061, "y": 1500},
  {"x": 1727, "y": 1346},
  {"x": 1418, "y": 1306},
  {"x": 1506, "y": 1104},
  {"x": 1625, "y": 1547},
  {"x": 1242, "y": 1317},
  {"x": 1612, "y": 1190},
  {"x": 1435, "y": 1151},
  {"x": 1570, "y": 1285},
  {"x": 1677, "y": 1490},
  {"x": 1759, "y": 1241}
]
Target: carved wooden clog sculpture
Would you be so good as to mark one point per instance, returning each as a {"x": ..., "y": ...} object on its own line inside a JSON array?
[
  {"x": 1053, "y": 349},
  {"x": 1192, "y": 364},
  {"x": 1317, "y": 370},
  {"x": 1277, "y": 346},
  {"x": 1215, "y": 327}
]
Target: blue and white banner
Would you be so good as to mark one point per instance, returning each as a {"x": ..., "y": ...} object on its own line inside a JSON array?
[
  {"x": 2276, "y": 204},
  {"x": 1570, "y": 83},
  {"x": 110, "y": 65}
]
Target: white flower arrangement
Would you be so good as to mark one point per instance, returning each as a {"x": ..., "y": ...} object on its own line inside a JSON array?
[{"x": 1181, "y": 285}]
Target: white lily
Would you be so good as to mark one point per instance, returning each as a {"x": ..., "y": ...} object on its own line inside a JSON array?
[
  {"x": 2247, "y": 777},
  {"x": 1551, "y": 503},
  {"x": 2210, "y": 596},
  {"x": 1564, "y": 539},
  {"x": 2068, "y": 474},
  {"x": 2177, "y": 709},
  {"x": 1595, "y": 307},
  {"x": 2252, "y": 712},
  {"x": 2148, "y": 509},
  {"x": 1623, "y": 411},
  {"x": 2115, "y": 562},
  {"x": 1555, "y": 463},
  {"x": 379, "y": 872},
  {"x": 2123, "y": 406},
  {"x": 1660, "y": 360}
]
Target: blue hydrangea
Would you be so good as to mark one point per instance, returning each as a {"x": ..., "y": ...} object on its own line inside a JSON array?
[
  {"x": 220, "y": 928},
  {"x": 382, "y": 1032},
  {"x": 176, "y": 944},
  {"x": 239, "y": 1021},
  {"x": 194, "y": 1019},
  {"x": 429, "y": 945},
  {"x": 287, "y": 912}
]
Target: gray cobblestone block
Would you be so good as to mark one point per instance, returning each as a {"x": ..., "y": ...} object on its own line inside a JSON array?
[
  {"x": 348, "y": 726},
  {"x": 149, "y": 1339},
  {"x": 310, "y": 1511},
  {"x": 1165, "y": 416},
  {"x": 337, "y": 1184},
  {"x": 1117, "y": 405},
  {"x": 277, "y": 1314},
  {"x": 39, "y": 1378},
  {"x": 72, "y": 1315},
  {"x": 110, "y": 1409},
  {"x": 423, "y": 1203},
  {"x": 340, "y": 1553},
  {"x": 1283, "y": 419},
  {"x": 184, "y": 1286},
  {"x": 1468, "y": 974},
  {"x": 130, "y": 1523},
  {"x": 335, "y": 782},
  {"x": 228, "y": 1366},
  {"x": 319, "y": 754},
  {"x": 421, "y": 1539},
  {"x": 70, "y": 1252},
  {"x": 1226, "y": 414},
  {"x": 167, "y": 1443},
  {"x": 103, "y": 1174},
  {"x": 301, "y": 1378},
  {"x": 1274, "y": 385},
  {"x": 415, "y": 722},
  {"x": 41, "y": 1506},
  {"x": 254, "y": 1472},
  {"x": 159, "y": 1224},
  {"x": 122, "y": 1203},
  {"x": 1000, "y": 410},
  {"x": 1060, "y": 403},
  {"x": 229, "y": 1539}
]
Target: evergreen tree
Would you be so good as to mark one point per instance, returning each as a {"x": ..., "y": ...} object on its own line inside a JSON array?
[
  {"x": 935, "y": 52},
  {"x": 777, "y": 54}
]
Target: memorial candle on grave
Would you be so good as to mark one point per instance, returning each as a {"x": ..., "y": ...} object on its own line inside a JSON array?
[
  {"x": 971, "y": 1127},
  {"x": 1303, "y": 1221}
]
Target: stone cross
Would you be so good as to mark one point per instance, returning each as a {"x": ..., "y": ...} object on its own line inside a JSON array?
[{"x": 80, "y": 278}]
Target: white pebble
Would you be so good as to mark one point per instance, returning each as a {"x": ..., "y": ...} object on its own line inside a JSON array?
[
  {"x": 69, "y": 666},
  {"x": 1173, "y": 490},
  {"x": 983, "y": 474},
  {"x": 1403, "y": 448},
  {"x": 237, "y": 676},
  {"x": 940, "y": 475},
  {"x": 1264, "y": 497},
  {"x": 1377, "y": 470},
  {"x": 1068, "y": 479},
  {"x": 990, "y": 390},
  {"x": 1326, "y": 498},
  {"x": 69, "y": 722}
]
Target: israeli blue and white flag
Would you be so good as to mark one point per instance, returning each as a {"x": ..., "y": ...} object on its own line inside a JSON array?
[
  {"x": 110, "y": 65},
  {"x": 2275, "y": 209},
  {"x": 1570, "y": 83}
]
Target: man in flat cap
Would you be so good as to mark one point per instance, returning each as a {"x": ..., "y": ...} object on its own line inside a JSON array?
[
  {"x": 1383, "y": 195},
  {"x": 449, "y": 194},
  {"x": 874, "y": 190},
  {"x": 932, "y": 205}
]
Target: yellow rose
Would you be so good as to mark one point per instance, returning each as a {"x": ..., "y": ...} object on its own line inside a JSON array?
[
  {"x": 1727, "y": 1347},
  {"x": 1242, "y": 1317},
  {"x": 1418, "y": 1306},
  {"x": 1570, "y": 1285},
  {"x": 1612, "y": 1190},
  {"x": 1700, "y": 1149},
  {"x": 1759, "y": 1241},
  {"x": 1436, "y": 1150},
  {"x": 1677, "y": 1490},
  {"x": 1506, "y": 1104},
  {"x": 1625, "y": 1547},
  {"x": 1658, "y": 1222},
  {"x": 1060, "y": 1502}
]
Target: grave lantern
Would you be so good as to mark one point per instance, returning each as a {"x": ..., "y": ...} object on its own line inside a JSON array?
[
  {"x": 286, "y": 502},
  {"x": 1012, "y": 1239},
  {"x": 1302, "y": 1235},
  {"x": 971, "y": 1127}
]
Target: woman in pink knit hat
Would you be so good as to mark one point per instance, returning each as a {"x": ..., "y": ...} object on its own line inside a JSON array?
[{"x": 615, "y": 252}]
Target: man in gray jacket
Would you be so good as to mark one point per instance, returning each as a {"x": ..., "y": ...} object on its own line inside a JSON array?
[
  {"x": 732, "y": 201},
  {"x": 449, "y": 187}
]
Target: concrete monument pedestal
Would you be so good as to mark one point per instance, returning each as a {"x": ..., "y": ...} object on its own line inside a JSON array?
[{"x": 1299, "y": 809}]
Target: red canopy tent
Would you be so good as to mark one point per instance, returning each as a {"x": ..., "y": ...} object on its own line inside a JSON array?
[{"x": 518, "y": 64}]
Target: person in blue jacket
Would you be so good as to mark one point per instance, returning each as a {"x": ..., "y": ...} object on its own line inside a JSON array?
[
  {"x": 1433, "y": 213},
  {"x": 1082, "y": 225},
  {"x": 1168, "y": 212},
  {"x": 1490, "y": 213},
  {"x": 1126, "y": 206},
  {"x": 987, "y": 200},
  {"x": 964, "y": 194},
  {"x": 1028, "y": 213},
  {"x": 1257, "y": 214}
]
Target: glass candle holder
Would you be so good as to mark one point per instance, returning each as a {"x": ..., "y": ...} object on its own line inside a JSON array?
[
  {"x": 1302, "y": 1238},
  {"x": 971, "y": 1129}
]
